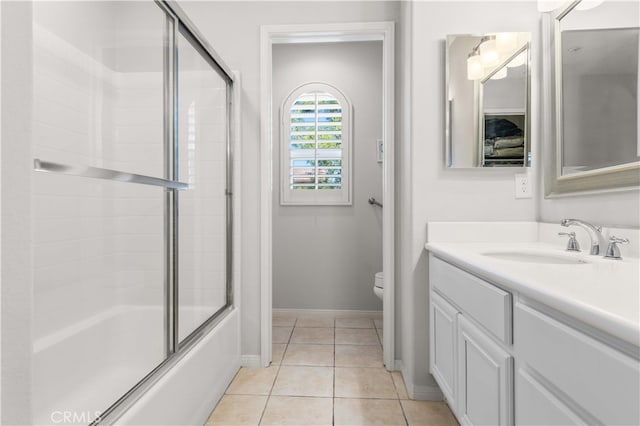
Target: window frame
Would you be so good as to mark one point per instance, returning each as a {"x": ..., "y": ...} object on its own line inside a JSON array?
[{"x": 315, "y": 197}]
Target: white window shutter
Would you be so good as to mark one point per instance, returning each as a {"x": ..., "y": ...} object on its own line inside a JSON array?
[{"x": 315, "y": 147}]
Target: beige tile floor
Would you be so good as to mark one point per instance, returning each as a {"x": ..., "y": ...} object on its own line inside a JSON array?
[{"x": 326, "y": 370}]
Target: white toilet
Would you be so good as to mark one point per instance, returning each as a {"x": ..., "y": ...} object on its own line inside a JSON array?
[{"x": 378, "y": 286}]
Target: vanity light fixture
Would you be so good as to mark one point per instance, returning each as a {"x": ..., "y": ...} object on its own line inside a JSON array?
[
  {"x": 517, "y": 61},
  {"x": 588, "y": 4},
  {"x": 549, "y": 5},
  {"x": 489, "y": 51},
  {"x": 506, "y": 42},
  {"x": 500, "y": 74},
  {"x": 475, "y": 69}
]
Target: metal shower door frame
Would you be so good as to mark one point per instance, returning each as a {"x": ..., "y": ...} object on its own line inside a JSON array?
[{"x": 177, "y": 22}]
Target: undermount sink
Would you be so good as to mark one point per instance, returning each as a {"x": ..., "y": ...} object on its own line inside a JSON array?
[{"x": 535, "y": 257}]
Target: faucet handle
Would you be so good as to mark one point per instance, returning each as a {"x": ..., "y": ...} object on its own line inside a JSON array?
[
  {"x": 613, "y": 252},
  {"x": 572, "y": 244}
]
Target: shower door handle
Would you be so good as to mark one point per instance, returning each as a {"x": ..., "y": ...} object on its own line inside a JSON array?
[{"x": 107, "y": 174}]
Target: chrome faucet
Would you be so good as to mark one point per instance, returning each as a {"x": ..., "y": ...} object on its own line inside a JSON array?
[{"x": 595, "y": 233}]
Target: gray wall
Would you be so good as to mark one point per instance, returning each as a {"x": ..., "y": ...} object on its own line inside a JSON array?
[
  {"x": 16, "y": 272},
  {"x": 507, "y": 93},
  {"x": 595, "y": 136},
  {"x": 325, "y": 257}
]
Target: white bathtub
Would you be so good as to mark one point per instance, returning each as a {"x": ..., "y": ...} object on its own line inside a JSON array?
[{"x": 81, "y": 370}]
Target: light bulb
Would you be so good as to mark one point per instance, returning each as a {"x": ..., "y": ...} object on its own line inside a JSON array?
[
  {"x": 475, "y": 70},
  {"x": 506, "y": 42},
  {"x": 549, "y": 5},
  {"x": 523, "y": 38},
  {"x": 588, "y": 4},
  {"x": 501, "y": 73},
  {"x": 489, "y": 52},
  {"x": 518, "y": 60}
]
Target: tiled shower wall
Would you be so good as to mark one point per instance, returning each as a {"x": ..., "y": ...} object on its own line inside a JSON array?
[
  {"x": 84, "y": 243},
  {"x": 99, "y": 244}
]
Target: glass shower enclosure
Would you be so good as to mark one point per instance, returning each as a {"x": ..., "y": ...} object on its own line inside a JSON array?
[{"x": 132, "y": 196}]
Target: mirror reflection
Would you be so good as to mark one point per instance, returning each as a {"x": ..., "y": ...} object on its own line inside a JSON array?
[
  {"x": 488, "y": 100},
  {"x": 503, "y": 114},
  {"x": 599, "y": 87}
]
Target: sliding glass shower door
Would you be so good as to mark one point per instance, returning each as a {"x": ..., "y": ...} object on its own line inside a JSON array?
[
  {"x": 202, "y": 136},
  {"x": 131, "y": 183}
]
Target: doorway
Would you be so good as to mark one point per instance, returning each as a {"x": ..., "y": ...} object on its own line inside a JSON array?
[{"x": 274, "y": 37}]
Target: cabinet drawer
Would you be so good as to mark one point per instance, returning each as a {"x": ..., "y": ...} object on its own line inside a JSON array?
[
  {"x": 486, "y": 303},
  {"x": 599, "y": 379}
]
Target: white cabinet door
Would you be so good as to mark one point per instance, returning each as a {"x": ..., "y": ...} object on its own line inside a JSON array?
[
  {"x": 602, "y": 382},
  {"x": 485, "y": 378},
  {"x": 443, "y": 327}
]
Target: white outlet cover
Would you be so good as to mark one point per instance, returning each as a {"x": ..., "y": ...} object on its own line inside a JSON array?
[{"x": 522, "y": 185}]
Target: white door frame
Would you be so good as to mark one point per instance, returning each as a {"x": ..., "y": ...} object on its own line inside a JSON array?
[{"x": 322, "y": 33}]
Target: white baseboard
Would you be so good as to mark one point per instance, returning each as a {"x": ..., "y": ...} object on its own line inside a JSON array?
[
  {"x": 335, "y": 312},
  {"x": 426, "y": 393},
  {"x": 418, "y": 392},
  {"x": 250, "y": 361}
]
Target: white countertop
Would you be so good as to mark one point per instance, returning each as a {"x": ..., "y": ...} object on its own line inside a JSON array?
[{"x": 602, "y": 293}]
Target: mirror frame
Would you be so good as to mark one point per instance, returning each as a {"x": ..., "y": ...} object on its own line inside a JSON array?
[{"x": 624, "y": 177}]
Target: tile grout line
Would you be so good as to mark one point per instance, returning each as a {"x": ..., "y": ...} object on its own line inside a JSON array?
[
  {"x": 406, "y": 420},
  {"x": 334, "y": 367},
  {"x": 333, "y": 400},
  {"x": 395, "y": 386},
  {"x": 368, "y": 398},
  {"x": 222, "y": 397},
  {"x": 264, "y": 409}
]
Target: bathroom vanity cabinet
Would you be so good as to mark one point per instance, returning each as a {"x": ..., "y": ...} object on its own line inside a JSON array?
[
  {"x": 500, "y": 357},
  {"x": 471, "y": 351}
]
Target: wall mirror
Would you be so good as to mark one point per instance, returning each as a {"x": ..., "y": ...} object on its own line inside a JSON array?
[
  {"x": 592, "y": 86},
  {"x": 487, "y": 100}
]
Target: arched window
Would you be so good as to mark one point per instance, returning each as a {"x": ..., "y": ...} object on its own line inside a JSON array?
[{"x": 315, "y": 147}]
